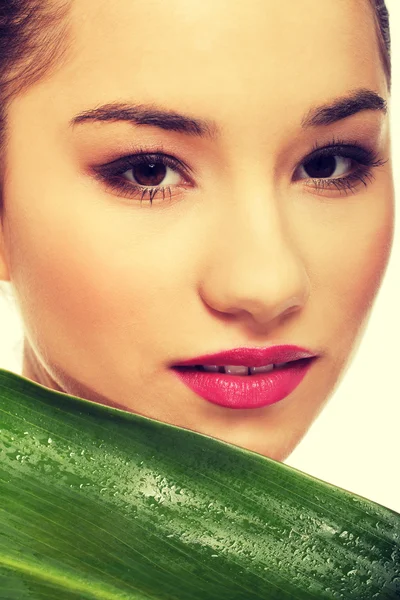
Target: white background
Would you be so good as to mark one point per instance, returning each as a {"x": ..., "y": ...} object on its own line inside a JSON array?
[{"x": 355, "y": 443}]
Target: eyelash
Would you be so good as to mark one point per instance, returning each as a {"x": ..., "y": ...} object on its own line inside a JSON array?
[
  {"x": 366, "y": 158},
  {"x": 111, "y": 172}
]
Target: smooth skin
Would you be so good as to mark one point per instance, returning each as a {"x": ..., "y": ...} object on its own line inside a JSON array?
[{"x": 112, "y": 291}]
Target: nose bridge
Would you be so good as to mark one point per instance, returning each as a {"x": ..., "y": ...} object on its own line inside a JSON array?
[{"x": 255, "y": 265}]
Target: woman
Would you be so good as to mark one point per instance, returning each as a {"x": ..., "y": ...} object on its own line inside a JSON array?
[{"x": 193, "y": 192}]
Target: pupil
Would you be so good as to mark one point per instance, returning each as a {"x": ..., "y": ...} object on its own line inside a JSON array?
[
  {"x": 321, "y": 167},
  {"x": 149, "y": 174}
]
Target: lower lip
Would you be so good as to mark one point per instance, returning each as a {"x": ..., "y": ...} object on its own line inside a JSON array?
[{"x": 245, "y": 391}]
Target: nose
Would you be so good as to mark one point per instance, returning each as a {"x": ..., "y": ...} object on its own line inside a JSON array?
[{"x": 254, "y": 266}]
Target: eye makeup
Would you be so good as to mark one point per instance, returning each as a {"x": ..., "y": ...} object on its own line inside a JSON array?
[
  {"x": 363, "y": 160},
  {"x": 111, "y": 174},
  {"x": 154, "y": 166}
]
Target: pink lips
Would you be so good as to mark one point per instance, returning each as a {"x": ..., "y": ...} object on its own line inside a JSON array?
[{"x": 247, "y": 391}]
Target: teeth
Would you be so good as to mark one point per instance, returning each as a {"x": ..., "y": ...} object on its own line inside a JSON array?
[
  {"x": 242, "y": 370},
  {"x": 236, "y": 370},
  {"x": 265, "y": 369}
]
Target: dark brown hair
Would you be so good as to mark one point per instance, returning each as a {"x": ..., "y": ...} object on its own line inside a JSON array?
[
  {"x": 34, "y": 40},
  {"x": 383, "y": 29}
]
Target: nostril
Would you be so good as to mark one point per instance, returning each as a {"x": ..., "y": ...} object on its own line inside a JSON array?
[{"x": 291, "y": 306}]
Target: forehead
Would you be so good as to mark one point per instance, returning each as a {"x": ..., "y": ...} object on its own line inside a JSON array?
[{"x": 199, "y": 55}]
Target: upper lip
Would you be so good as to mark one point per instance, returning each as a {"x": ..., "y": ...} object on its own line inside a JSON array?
[{"x": 251, "y": 357}]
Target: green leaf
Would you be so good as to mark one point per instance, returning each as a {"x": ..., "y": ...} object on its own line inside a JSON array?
[{"x": 98, "y": 503}]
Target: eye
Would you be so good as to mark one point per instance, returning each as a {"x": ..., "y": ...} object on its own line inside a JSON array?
[
  {"x": 145, "y": 175},
  {"x": 339, "y": 165},
  {"x": 149, "y": 173},
  {"x": 323, "y": 167}
]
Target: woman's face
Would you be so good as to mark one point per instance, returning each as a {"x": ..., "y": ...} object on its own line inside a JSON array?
[{"x": 249, "y": 244}]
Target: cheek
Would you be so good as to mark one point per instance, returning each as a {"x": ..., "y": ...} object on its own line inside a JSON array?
[
  {"x": 354, "y": 257},
  {"x": 364, "y": 262},
  {"x": 96, "y": 279}
]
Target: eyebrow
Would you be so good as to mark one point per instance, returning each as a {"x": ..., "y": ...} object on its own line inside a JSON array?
[
  {"x": 150, "y": 114},
  {"x": 341, "y": 108}
]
